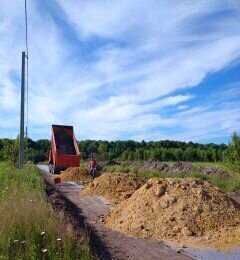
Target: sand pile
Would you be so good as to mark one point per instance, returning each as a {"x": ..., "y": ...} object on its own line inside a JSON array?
[
  {"x": 114, "y": 186},
  {"x": 76, "y": 174},
  {"x": 187, "y": 211}
]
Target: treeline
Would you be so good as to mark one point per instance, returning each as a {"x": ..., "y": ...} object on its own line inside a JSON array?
[
  {"x": 167, "y": 150},
  {"x": 35, "y": 151},
  {"x": 161, "y": 150}
]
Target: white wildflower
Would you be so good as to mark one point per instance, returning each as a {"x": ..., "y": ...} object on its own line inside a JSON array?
[
  {"x": 44, "y": 250},
  {"x": 15, "y": 241},
  {"x": 59, "y": 239},
  {"x": 42, "y": 233},
  {"x": 23, "y": 242}
]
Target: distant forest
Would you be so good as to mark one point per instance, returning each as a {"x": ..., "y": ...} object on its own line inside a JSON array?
[{"x": 37, "y": 151}]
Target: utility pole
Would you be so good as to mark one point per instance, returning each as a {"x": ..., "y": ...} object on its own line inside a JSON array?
[{"x": 21, "y": 150}]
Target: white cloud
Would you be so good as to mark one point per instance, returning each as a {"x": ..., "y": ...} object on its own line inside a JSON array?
[
  {"x": 182, "y": 107},
  {"x": 126, "y": 71}
]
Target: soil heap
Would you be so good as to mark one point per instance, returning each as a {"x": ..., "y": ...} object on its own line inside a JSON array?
[
  {"x": 114, "y": 186},
  {"x": 76, "y": 174},
  {"x": 189, "y": 211},
  {"x": 181, "y": 167},
  {"x": 153, "y": 165}
]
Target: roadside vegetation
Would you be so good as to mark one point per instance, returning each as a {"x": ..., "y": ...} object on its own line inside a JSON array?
[{"x": 29, "y": 227}]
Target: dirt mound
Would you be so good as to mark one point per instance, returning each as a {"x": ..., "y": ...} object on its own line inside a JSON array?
[
  {"x": 181, "y": 167},
  {"x": 153, "y": 165},
  {"x": 209, "y": 170},
  {"x": 178, "y": 167},
  {"x": 76, "y": 174},
  {"x": 132, "y": 164},
  {"x": 114, "y": 186},
  {"x": 188, "y": 211},
  {"x": 158, "y": 166}
]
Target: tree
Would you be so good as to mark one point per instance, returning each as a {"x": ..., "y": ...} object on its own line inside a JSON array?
[
  {"x": 103, "y": 149},
  {"x": 10, "y": 150},
  {"x": 131, "y": 156},
  {"x": 233, "y": 151},
  {"x": 139, "y": 154}
]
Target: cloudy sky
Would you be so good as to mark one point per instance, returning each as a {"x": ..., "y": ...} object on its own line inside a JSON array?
[{"x": 139, "y": 69}]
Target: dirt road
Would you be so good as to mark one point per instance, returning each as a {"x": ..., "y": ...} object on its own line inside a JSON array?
[
  {"x": 107, "y": 244},
  {"x": 85, "y": 215}
]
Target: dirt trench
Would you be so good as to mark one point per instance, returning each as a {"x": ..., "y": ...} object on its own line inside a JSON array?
[{"x": 75, "y": 220}]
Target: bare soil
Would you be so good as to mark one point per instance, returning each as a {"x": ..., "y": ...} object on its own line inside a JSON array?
[
  {"x": 84, "y": 214},
  {"x": 184, "y": 211},
  {"x": 76, "y": 174},
  {"x": 178, "y": 167},
  {"x": 114, "y": 186}
]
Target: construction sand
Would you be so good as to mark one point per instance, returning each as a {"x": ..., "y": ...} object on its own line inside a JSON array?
[
  {"x": 184, "y": 211},
  {"x": 115, "y": 187},
  {"x": 76, "y": 174}
]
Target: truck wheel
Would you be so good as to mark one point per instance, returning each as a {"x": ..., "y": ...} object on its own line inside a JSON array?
[{"x": 54, "y": 170}]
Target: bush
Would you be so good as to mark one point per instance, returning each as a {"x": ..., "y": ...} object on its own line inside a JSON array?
[{"x": 10, "y": 151}]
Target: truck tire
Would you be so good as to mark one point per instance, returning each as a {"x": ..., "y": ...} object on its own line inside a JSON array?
[{"x": 54, "y": 170}]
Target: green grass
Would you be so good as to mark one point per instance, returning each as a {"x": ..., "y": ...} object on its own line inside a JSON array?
[
  {"x": 29, "y": 227},
  {"x": 205, "y": 164},
  {"x": 228, "y": 181}
]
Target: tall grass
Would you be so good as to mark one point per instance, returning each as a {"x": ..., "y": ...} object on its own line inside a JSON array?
[{"x": 29, "y": 227}]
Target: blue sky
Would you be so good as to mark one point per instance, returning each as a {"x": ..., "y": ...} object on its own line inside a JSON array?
[{"x": 139, "y": 69}]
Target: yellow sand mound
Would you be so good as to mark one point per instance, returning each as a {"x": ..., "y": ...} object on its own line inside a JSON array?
[
  {"x": 188, "y": 211},
  {"x": 76, "y": 174},
  {"x": 114, "y": 186}
]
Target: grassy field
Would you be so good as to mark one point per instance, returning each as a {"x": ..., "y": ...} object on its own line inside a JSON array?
[
  {"x": 29, "y": 227},
  {"x": 226, "y": 180}
]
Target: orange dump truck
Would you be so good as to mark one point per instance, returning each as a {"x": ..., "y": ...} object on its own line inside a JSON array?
[{"x": 64, "y": 151}]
